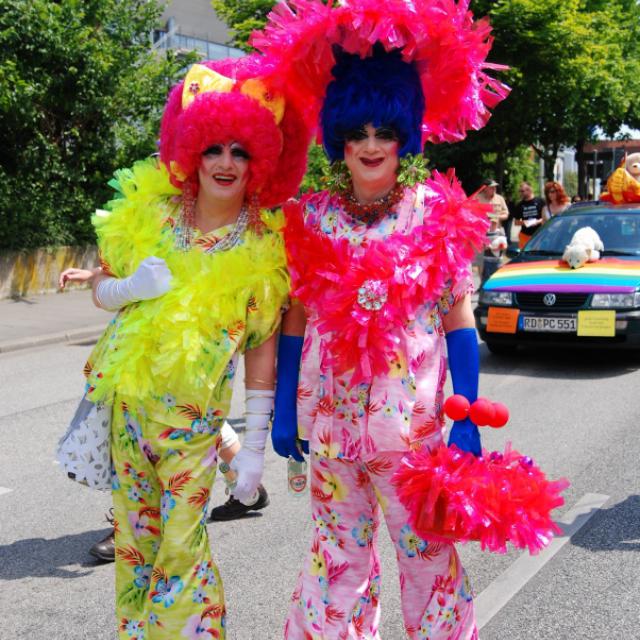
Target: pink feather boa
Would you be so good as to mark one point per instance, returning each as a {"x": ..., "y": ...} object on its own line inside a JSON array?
[
  {"x": 501, "y": 497},
  {"x": 402, "y": 272},
  {"x": 440, "y": 36}
]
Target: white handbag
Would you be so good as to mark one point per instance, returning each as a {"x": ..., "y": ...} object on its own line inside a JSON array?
[{"x": 84, "y": 451}]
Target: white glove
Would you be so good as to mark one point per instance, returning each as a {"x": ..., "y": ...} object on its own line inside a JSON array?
[
  {"x": 249, "y": 461},
  {"x": 150, "y": 280},
  {"x": 248, "y": 466}
]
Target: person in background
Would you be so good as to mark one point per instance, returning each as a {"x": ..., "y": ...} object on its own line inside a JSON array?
[
  {"x": 496, "y": 237},
  {"x": 575, "y": 199},
  {"x": 528, "y": 214},
  {"x": 381, "y": 281},
  {"x": 488, "y": 194},
  {"x": 557, "y": 200}
]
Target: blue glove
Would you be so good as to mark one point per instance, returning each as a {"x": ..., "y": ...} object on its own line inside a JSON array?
[
  {"x": 462, "y": 350},
  {"x": 284, "y": 431}
]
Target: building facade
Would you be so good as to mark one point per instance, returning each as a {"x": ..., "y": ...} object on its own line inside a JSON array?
[{"x": 192, "y": 25}]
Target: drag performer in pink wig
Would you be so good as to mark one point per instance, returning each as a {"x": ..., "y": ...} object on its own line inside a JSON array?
[
  {"x": 380, "y": 268},
  {"x": 197, "y": 272}
]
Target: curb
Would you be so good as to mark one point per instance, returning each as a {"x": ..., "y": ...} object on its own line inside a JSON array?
[{"x": 52, "y": 338}]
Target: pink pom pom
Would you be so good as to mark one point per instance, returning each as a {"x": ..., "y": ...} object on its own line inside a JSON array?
[
  {"x": 501, "y": 497},
  {"x": 500, "y": 415},
  {"x": 456, "y": 407},
  {"x": 481, "y": 412}
]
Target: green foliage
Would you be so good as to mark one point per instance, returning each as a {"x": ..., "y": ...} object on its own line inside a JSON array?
[
  {"x": 520, "y": 165},
  {"x": 81, "y": 93},
  {"x": 474, "y": 162},
  {"x": 571, "y": 70},
  {"x": 317, "y": 170},
  {"x": 571, "y": 73},
  {"x": 570, "y": 183},
  {"x": 242, "y": 17}
]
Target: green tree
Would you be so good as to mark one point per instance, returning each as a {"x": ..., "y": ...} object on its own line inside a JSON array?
[
  {"x": 571, "y": 183},
  {"x": 476, "y": 158},
  {"x": 81, "y": 93},
  {"x": 317, "y": 168},
  {"x": 571, "y": 70},
  {"x": 242, "y": 17}
]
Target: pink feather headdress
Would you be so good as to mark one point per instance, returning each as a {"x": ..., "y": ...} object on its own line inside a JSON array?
[{"x": 440, "y": 37}]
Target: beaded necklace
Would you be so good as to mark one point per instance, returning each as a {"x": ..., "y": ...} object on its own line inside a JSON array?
[
  {"x": 184, "y": 231},
  {"x": 369, "y": 213}
]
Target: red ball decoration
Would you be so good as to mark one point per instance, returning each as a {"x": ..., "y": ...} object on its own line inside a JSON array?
[
  {"x": 456, "y": 407},
  {"x": 481, "y": 412},
  {"x": 500, "y": 417}
]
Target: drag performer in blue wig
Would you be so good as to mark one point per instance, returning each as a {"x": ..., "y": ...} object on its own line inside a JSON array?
[
  {"x": 382, "y": 90},
  {"x": 380, "y": 269}
]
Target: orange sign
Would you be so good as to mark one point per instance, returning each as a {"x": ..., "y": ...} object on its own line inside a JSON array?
[{"x": 502, "y": 320}]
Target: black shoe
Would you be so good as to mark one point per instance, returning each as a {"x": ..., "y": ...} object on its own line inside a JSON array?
[
  {"x": 233, "y": 508},
  {"x": 105, "y": 550}
]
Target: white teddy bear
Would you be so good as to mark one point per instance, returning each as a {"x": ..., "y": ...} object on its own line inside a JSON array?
[{"x": 585, "y": 246}]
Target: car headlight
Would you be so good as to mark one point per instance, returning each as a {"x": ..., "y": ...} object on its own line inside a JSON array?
[
  {"x": 615, "y": 300},
  {"x": 498, "y": 298}
]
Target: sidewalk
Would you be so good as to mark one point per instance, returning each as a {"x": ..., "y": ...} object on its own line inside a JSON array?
[
  {"x": 70, "y": 317},
  {"x": 59, "y": 317},
  {"x": 49, "y": 318}
]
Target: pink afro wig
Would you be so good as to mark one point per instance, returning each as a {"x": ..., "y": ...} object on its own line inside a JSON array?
[{"x": 277, "y": 152}]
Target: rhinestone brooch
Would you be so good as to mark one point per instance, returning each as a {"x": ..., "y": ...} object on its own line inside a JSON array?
[{"x": 372, "y": 294}]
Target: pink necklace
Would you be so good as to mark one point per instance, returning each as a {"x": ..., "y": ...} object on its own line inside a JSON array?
[{"x": 369, "y": 213}]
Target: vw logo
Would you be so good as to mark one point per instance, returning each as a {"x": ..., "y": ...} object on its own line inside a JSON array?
[{"x": 549, "y": 299}]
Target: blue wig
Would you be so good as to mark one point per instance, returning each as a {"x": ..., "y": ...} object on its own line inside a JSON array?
[{"x": 381, "y": 89}]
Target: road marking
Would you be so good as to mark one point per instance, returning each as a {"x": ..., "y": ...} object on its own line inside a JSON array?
[
  {"x": 505, "y": 586},
  {"x": 4, "y": 490}
]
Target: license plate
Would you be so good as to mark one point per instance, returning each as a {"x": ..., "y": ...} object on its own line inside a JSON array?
[{"x": 553, "y": 325}]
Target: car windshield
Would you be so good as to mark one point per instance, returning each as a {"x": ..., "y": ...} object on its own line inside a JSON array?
[{"x": 619, "y": 232}]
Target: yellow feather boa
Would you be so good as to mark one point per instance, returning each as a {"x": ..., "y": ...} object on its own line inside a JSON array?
[{"x": 181, "y": 342}]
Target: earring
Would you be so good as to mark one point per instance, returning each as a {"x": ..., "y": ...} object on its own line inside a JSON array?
[
  {"x": 188, "y": 203},
  {"x": 188, "y": 215},
  {"x": 337, "y": 177},
  {"x": 413, "y": 169},
  {"x": 255, "y": 219}
]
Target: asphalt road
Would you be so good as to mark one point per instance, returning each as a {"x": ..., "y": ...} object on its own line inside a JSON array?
[{"x": 576, "y": 414}]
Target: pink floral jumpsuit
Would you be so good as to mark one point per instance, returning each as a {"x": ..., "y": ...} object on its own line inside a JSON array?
[{"x": 357, "y": 436}]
